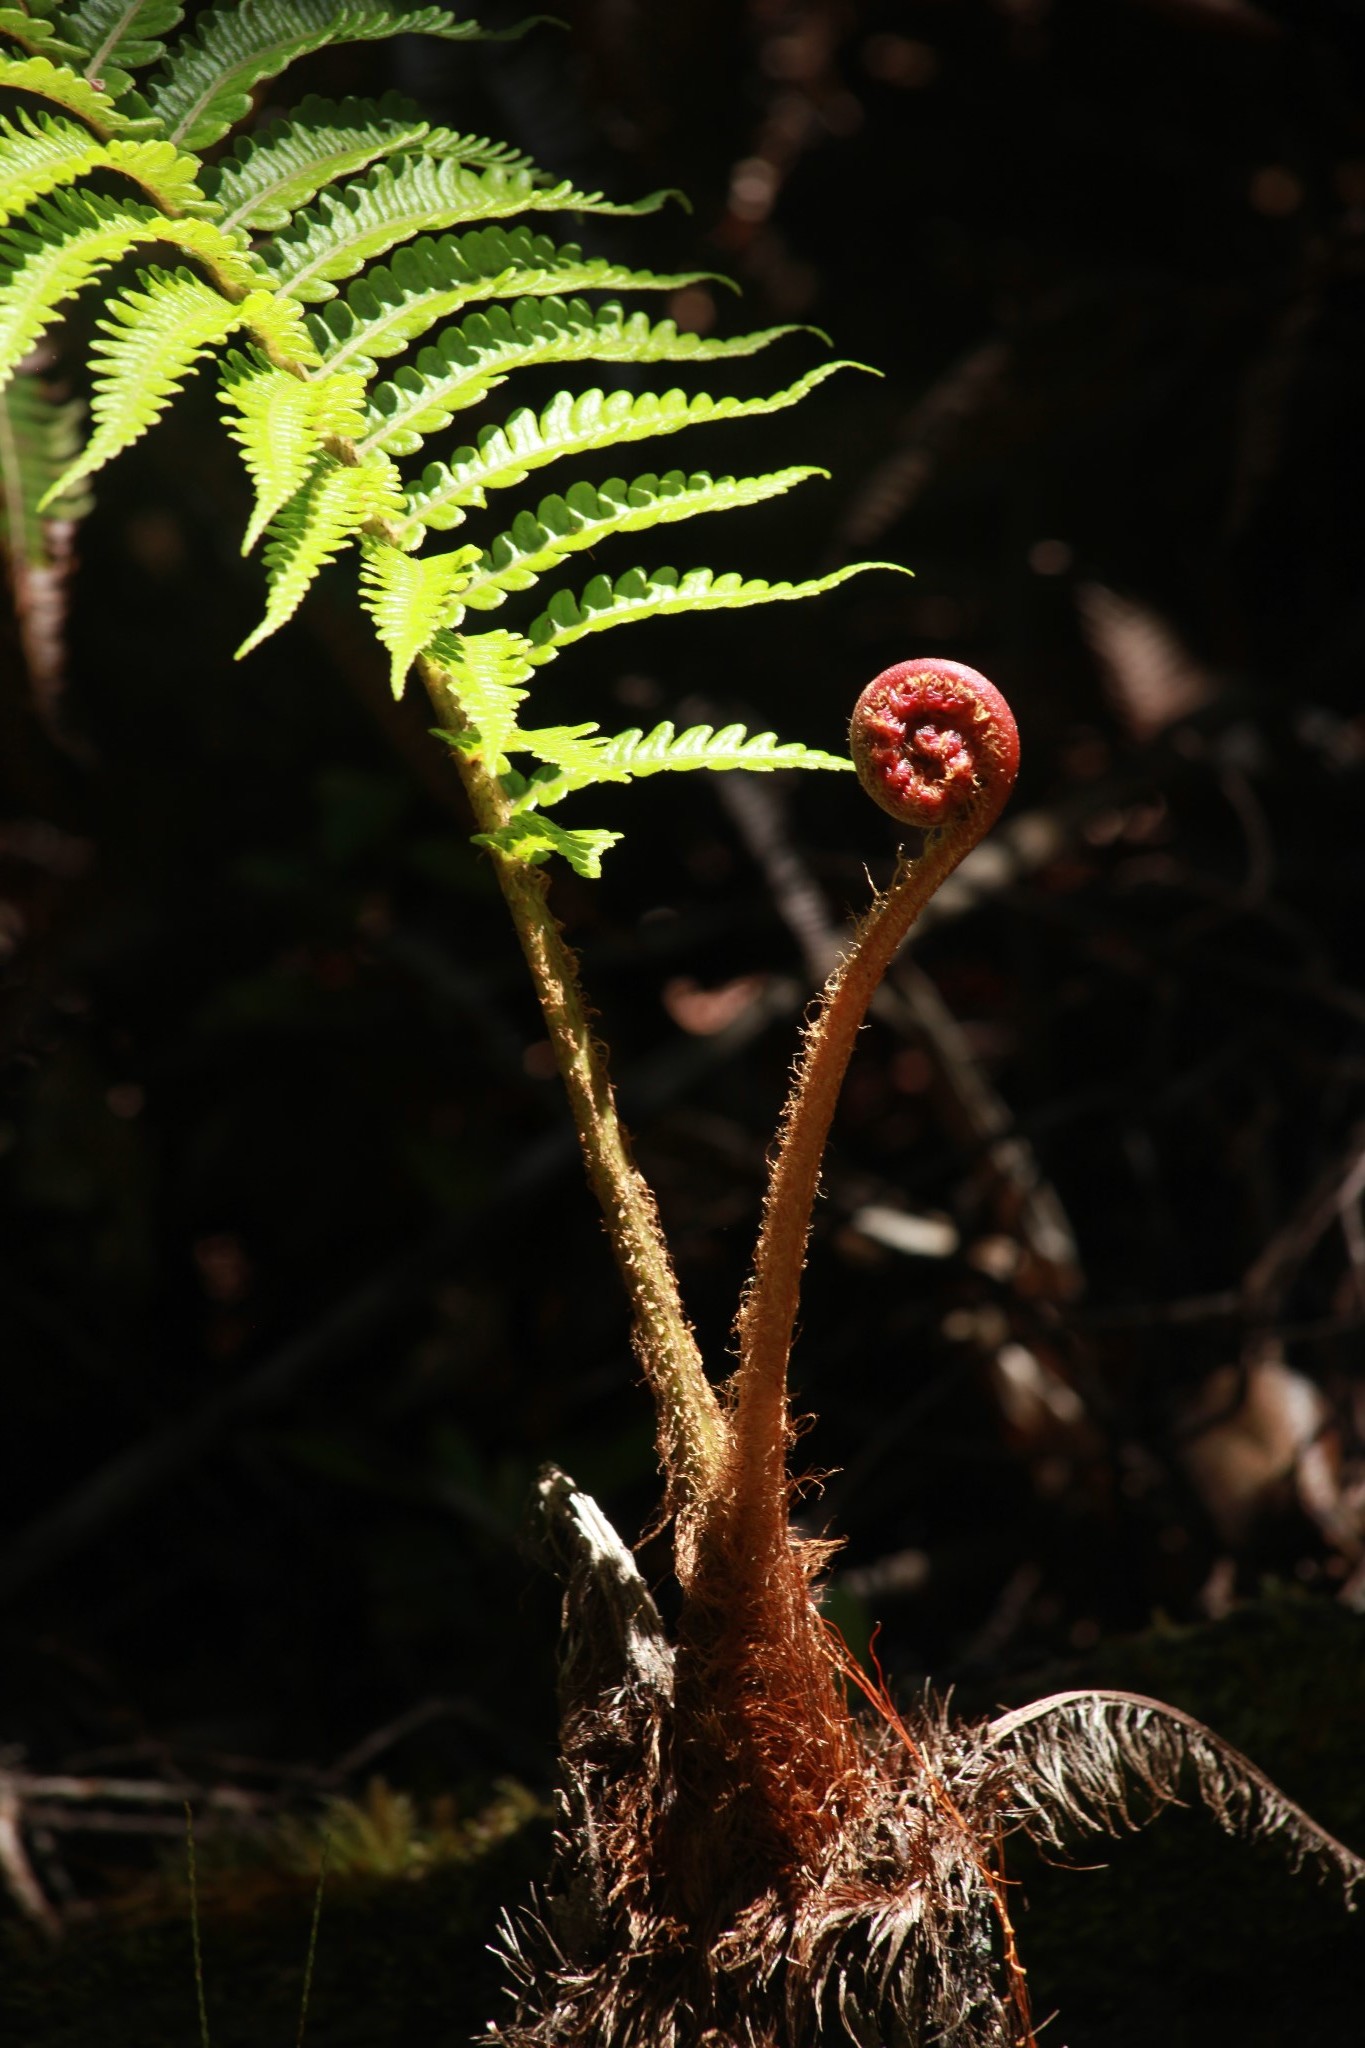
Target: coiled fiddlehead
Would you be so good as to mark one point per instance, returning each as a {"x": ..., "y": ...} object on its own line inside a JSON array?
[{"x": 935, "y": 744}]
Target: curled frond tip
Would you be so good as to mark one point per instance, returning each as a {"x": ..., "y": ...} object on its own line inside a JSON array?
[{"x": 934, "y": 742}]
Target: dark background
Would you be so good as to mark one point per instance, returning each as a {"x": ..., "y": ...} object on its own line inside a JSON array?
[{"x": 299, "y": 1284}]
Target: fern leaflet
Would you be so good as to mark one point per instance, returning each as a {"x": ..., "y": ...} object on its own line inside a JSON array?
[
  {"x": 37, "y": 154},
  {"x": 532, "y": 838},
  {"x": 151, "y": 340},
  {"x": 575, "y": 424},
  {"x": 67, "y": 240},
  {"x": 470, "y": 360},
  {"x": 575, "y": 757},
  {"x": 64, "y": 88},
  {"x": 485, "y": 674},
  {"x": 35, "y": 34},
  {"x": 585, "y": 515},
  {"x": 278, "y": 420},
  {"x": 410, "y": 599},
  {"x": 432, "y": 278},
  {"x": 209, "y": 79},
  {"x": 268, "y": 178},
  {"x": 337, "y": 501},
  {"x": 118, "y": 37},
  {"x": 638, "y": 595},
  {"x": 413, "y": 195}
]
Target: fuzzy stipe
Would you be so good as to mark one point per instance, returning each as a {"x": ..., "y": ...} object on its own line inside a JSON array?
[{"x": 764, "y": 1734}]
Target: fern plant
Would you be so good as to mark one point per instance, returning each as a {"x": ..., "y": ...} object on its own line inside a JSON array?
[
  {"x": 305, "y": 259},
  {"x": 743, "y": 1860}
]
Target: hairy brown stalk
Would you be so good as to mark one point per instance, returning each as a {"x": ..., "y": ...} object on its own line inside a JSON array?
[
  {"x": 936, "y": 745},
  {"x": 692, "y": 1427}
]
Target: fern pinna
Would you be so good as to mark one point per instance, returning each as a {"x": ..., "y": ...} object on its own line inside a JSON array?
[{"x": 310, "y": 254}]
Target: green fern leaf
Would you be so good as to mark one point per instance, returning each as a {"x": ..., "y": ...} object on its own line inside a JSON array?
[
  {"x": 38, "y": 153},
  {"x": 470, "y": 360},
  {"x": 68, "y": 239},
  {"x": 530, "y": 837},
  {"x": 166, "y": 174},
  {"x": 576, "y": 757},
  {"x": 410, "y": 599},
  {"x": 34, "y": 33},
  {"x": 485, "y": 674},
  {"x": 277, "y": 327},
  {"x": 338, "y": 500},
  {"x": 432, "y": 278},
  {"x": 269, "y": 177},
  {"x": 65, "y": 88},
  {"x": 413, "y": 195},
  {"x": 210, "y": 76},
  {"x": 576, "y": 424},
  {"x": 637, "y": 595},
  {"x": 585, "y": 515},
  {"x": 152, "y": 340},
  {"x": 38, "y": 437},
  {"x": 279, "y": 422},
  {"x": 700, "y": 746},
  {"x": 119, "y": 37},
  {"x": 479, "y": 150}
]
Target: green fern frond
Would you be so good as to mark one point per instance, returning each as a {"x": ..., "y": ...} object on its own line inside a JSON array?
[
  {"x": 279, "y": 421},
  {"x": 68, "y": 239},
  {"x": 267, "y": 179},
  {"x": 210, "y": 76},
  {"x": 532, "y": 838},
  {"x": 39, "y": 435},
  {"x": 638, "y": 595},
  {"x": 479, "y": 149},
  {"x": 337, "y": 501},
  {"x": 585, "y": 515},
  {"x": 38, "y": 153},
  {"x": 151, "y": 340},
  {"x": 33, "y": 31},
  {"x": 166, "y": 174},
  {"x": 277, "y": 327},
  {"x": 410, "y": 599},
  {"x": 430, "y": 279},
  {"x": 576, "y": 757},
  {"x": 485, "y": 674},
  {"x": 119, "y": 37},
  {"x": 414, "y": 195},
  {"x": 468, "y": 361},
  {"x": 65, "y": 88},
  {"x": 576, "y": 424}
]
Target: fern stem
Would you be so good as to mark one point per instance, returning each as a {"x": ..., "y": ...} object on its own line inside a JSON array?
[
  {"x": 692, "y": 1429},
  {"x": 935, "y": 744}
]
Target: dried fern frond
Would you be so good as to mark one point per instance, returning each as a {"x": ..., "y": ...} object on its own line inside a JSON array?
[{"x": 1101, "y": 1763}]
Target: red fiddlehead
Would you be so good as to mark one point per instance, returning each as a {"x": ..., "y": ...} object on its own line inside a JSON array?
[{"x": 934, "y": 744}]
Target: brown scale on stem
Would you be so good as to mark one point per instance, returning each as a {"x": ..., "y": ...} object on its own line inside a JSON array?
[{"x": 759, "y": 1704}]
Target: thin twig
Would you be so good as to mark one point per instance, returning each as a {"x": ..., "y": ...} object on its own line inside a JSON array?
[{"x": 16, "y": 1872}]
